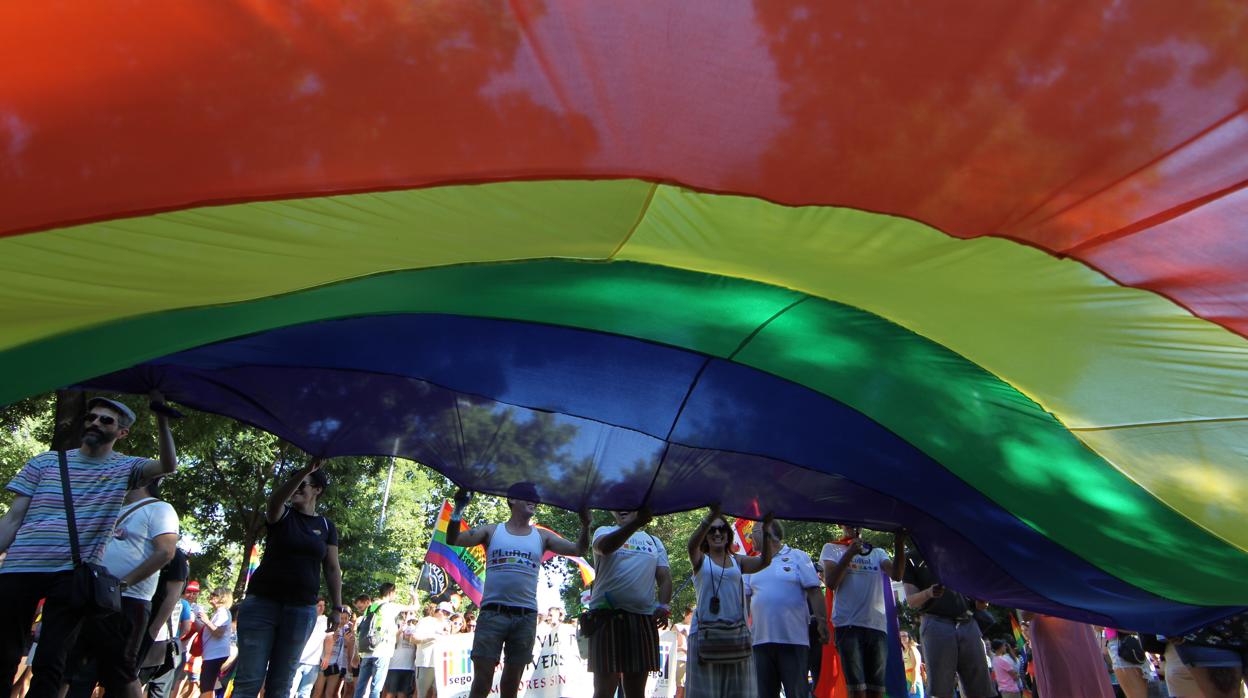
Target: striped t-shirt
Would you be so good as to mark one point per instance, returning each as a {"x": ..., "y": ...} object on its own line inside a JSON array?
[{"x": 98, "y": 484}]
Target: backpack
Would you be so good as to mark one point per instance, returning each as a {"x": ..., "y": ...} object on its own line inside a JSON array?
[
  {"x": 369, "y": 635},
  {"x": 1130, "y": 649}
]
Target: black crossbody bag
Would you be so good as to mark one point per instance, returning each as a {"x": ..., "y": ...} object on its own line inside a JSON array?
[{"x": 95, "y": 592}]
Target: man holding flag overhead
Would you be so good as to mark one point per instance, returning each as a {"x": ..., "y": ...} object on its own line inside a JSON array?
[
  {"x": 507, "y": 625},
  {"x": 625, "y": 618}
]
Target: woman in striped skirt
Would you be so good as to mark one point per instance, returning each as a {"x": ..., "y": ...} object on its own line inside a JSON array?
[{"x": 721, "y": 597}]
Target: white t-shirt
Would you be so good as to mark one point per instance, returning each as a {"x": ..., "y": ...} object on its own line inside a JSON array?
[
  {"x": 428, "y": 629},
  {"x": 624, "y": 579},
  {"x": 315, "y": 646},
  {"x": 218, "y": 647},
  {"x": 860, "y": 599},
  {"x": 777, "y": 594},
  {"x": 386, "y": 619},
  {"x": 404, "y": 652},
  {"x": 131, "y": 542}
]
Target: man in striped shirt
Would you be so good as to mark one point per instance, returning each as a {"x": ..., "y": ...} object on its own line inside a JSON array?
[{"x": 35, "y": 534}]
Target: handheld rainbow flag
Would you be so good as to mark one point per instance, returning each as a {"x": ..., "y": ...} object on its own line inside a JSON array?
[
  {"x": 465, "y": 566},
  {"x": 1021, "y": 642},
  {"x": 253, "y": 561},
  {"x": 582, "y": 565}
]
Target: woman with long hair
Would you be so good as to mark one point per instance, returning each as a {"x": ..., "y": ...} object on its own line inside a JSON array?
[
  {"x": 338, "y": 654},
  {"x": 916, "y": 671},
  {"x": 721, "y": 602},
  {"x": 279, "y": 612}
]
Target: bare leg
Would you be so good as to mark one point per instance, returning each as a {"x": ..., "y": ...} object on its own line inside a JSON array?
[
  {"x": 635, "y": 685},
  {"x": 509, "y": 682},
  {"x": 1218, "y": 682},
  {"x": 482, "y": 679},
  {"x": 605, "y": 684},
  {"x": 1132, "y": 682}
]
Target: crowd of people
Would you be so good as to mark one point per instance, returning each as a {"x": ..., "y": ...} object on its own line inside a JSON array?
[{"x": 94, "y": 594}]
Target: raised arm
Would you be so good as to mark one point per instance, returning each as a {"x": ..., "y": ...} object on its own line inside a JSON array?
[
  {"x": 13, "y": 520},
  {"x": 892, "y": 567},
  {"x": 833, "y": 575},
  {"x": 479, "y": 535},
  {"x": 562, "y": 546},
  {"x": 333, "y": 580},
  {"x": 164, "y": 435},
  {"x": 699, "y": 535},
  {"x": 752, "y": 564},
  {"x": 282, "y": 493},
  {"x": 611, "y": 542}
]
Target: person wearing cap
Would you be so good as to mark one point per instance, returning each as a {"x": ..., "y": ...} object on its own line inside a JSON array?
[
  {"x": 35, "y": 533},
  {"x": 428, "y": 629},
  {"x": 629, "y": 565},
  {"x": 279, "y": 612},
  {"x": 507, "y": 625},
  {"x": 144, "y": 540}
]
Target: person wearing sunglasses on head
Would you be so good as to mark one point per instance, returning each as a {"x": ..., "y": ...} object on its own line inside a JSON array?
[
  {"x": 720, "y": 655},
  {"x": 35, "y": 531},
  {"x": 279, "y": 613}
]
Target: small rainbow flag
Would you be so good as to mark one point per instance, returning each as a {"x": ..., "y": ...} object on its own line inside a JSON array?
[
  {"x": 586, "y": 569},
  {"x": 1021, "y": 641},
  {"x": 253, "y": 561}
]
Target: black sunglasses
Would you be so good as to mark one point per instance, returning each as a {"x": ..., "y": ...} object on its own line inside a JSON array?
[
  {"x": 719, "y": 529},
  {"x": 103, "y": 418}
]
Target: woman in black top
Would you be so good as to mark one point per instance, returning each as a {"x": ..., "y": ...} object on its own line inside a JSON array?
[{"x": 279, "y": 612}]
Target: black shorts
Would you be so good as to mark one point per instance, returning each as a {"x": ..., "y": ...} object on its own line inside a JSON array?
[
  {"x": 334, "y": 670},
  {"x": 625, "y": 643},
  {"x": 400, "y": 681},
  {"x": 113, "y": 641},
  {"x": 209, "y": 672}
]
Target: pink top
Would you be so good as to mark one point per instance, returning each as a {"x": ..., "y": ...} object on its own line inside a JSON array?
[
  {"x": 1068, "y": 659},
  {"x": 1002, "y": 666}
]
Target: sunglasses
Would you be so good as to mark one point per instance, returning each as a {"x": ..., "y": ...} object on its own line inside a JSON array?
[
  {"x": 102, "y": 418},
  {"x": 722, "y": 530}
]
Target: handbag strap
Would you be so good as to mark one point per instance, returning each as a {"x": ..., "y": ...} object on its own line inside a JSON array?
[
  {"x": 140, "y": 505},
  {"x": 69, "y": 509}
]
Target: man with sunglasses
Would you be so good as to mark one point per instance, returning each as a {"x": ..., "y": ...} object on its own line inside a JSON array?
[{"x": 35, "y": 532}]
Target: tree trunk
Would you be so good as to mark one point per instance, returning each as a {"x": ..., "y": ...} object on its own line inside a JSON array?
[
  {"x": 71, "y": 405},
  {"x": 255, "y": 521}
]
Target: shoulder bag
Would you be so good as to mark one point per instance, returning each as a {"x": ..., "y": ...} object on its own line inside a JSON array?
[
  {"x": 724, "y": 641},
  {"x": 94, "y": 590}
]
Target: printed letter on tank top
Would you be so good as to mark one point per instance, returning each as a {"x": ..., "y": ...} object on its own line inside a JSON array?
[{"x": 511, "y": 568}]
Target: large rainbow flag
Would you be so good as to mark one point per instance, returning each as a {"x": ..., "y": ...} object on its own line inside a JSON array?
[
  {"x": 465, "y": 566},
  {"x": 973, "y": 269}
]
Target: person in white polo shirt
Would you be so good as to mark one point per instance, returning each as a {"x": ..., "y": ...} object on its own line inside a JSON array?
[
  {"x": 624, "y": 643},
  {"x": 783, "y": 599},
  {"x": 507, "y": 626}
]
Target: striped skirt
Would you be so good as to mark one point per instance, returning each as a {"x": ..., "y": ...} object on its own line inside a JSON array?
[{"x": 625, "y": 643}]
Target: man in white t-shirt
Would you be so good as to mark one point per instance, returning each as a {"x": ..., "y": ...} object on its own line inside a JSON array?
[
  {"x": 143, "y": 540},
  {"x": 784, "y": 598},
  {"x": 853, "y": 572},
  {"x": 624, "y": 645}
]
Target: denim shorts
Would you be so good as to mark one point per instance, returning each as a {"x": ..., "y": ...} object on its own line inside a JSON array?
[
  {"x": 510, "y": 635},
  {"x": 864, "y": 652},
  {"x": 1212, "y": 657}
]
